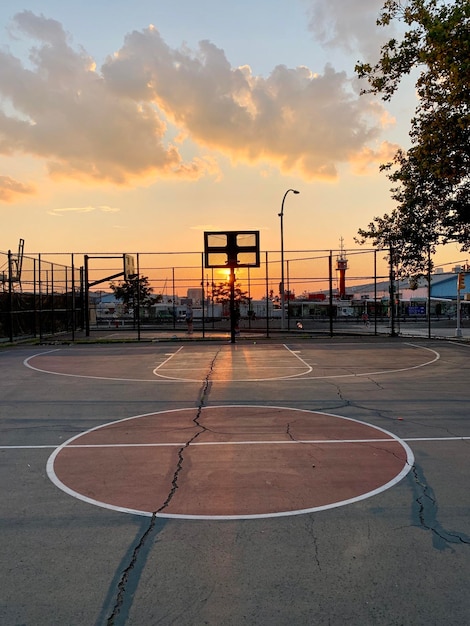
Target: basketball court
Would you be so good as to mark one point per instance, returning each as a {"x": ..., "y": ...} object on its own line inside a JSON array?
[{"x": 318, "y": 481}]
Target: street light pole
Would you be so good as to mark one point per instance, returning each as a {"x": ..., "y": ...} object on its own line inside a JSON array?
[{"x": 281, "y": 215}]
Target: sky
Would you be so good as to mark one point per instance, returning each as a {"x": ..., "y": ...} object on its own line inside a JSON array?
[{"x": 137, "y": 126}]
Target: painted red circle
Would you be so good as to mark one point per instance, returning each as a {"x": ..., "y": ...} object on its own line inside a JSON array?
[{"x": 229, "y": 461}]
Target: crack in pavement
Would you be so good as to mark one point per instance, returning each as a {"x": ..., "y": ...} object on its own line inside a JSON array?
[
  {"x": 289, "y": 434},
  {"x": 309, "y": 527},
  {"x": 125, "y": 581},
  {"x": 425, "y": 510},
  {"x": 374, "y": 446},
  {"x": 292, "y": 438},
  {"x": 339, "y": 393}
]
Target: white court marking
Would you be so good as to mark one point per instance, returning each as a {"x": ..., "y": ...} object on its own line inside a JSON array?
[
  {"x": 223, "y": 443},
  {"x": 390, "y": 437},
  {"x": 159, "y": 377},
  {"x": 303, "y": 373}
]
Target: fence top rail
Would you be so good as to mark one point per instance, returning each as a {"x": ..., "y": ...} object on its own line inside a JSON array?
[{"x": 198, "y": 252}]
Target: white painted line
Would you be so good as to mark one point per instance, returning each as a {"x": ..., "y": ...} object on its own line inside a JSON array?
[
  {"x": 166, "y": 360},
  {"x": 26, "y": 447},
  {"x": 304, "y": 376},
  {"x": 229, "y": 368},
  {"x": 390, "y": 437},
  {"x": 437, "y": 439},
  {"x": 262, "y": 359},
  {"x": 309, "y": 368},
  {"x": 437, "y": 356},
  {"x": 182, "y": 444},
  {"x": 195, "y": 444},
  {"x": 232, "y": 443},
  {"x": 26, "y": 361},
  {"x": 28, "y": 364},
  {"x": 299, "y": 376}
]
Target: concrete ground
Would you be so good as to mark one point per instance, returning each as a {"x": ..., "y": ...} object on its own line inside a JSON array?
[{"x": 316, "y": 481}]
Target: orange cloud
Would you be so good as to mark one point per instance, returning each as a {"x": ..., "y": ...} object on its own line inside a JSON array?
[
  {"x": 83, "y": 209},
  {"x": 113, "y": 125},
  {"x": 369, "y": 157},
  {"x": 10, "y": 189}
]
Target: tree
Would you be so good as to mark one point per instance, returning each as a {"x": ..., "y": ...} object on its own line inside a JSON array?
[
  {"x": 221, "y": 293},
  {"x": 132, "y": 290},
  {"x": 431, "y": 180}
]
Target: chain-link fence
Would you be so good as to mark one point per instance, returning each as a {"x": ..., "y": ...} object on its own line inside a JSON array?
[
  {"x": 324, "y": 292},
  {"x": 319, "y": 292},
  {"x": 39, "y": 297}
]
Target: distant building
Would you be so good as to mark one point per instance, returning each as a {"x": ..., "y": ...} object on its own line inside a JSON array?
[{"x": 195, "y": 296}]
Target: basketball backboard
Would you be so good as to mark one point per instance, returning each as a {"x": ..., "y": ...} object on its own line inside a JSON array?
[{"x": 231, "y": 249}]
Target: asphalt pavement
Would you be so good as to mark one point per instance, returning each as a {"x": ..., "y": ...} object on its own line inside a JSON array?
[{"x": 291, "y": 480}]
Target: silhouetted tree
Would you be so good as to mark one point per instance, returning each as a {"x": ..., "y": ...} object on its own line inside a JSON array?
[
  {"x": 132, "y": 290},
  {"x": 431, "y": 180},
  {"x": 221, "y": 293}
]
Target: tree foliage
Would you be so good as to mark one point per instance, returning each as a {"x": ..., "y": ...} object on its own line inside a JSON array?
[
  {"x": 431, "y": 180},
  {"x": 134, "y": 290},
  {"x": 221, "y": 293}
]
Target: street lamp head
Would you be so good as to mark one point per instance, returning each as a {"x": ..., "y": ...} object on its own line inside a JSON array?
[{"x": 281, "y": 214}]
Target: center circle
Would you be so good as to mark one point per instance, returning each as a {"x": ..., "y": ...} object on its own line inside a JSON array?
[{"x": 229, "y": 462}]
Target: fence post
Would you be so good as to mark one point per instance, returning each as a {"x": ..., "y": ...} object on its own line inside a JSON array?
[
  {"x": 138, "y": 298},
  {"x": 10, "y": 297},
  {"x": 52, "y": 301},
  {"x": 87, "y": 298},
  {"x": 330, "y": 282},
  {"x": 375, "y": 292},
  {"x": 40, "y": 297},
  {"x": 392, "y": 295},
  {"x": 203, "y": 297},
  {"x": 288, "y": 296},
  {"x": 73, "y": 297},
  {"x": 429, "y": 293},
  {"x": 173, "y": 296},
  {"x": 35, "y": 300},
  {"x": 267, "y": 296}
]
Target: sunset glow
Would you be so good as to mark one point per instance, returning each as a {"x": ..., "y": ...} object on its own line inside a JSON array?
[{"x": 136, "y": 134}]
